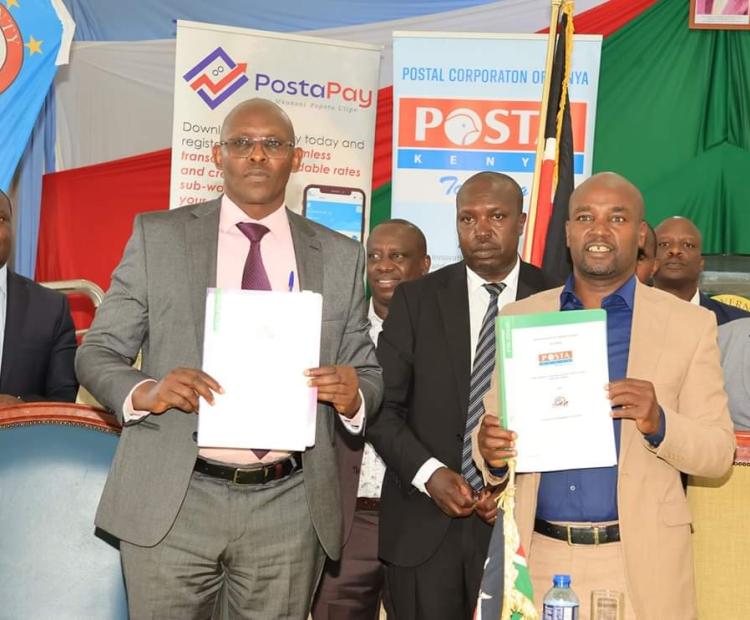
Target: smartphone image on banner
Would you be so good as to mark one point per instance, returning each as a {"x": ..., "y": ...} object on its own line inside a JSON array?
[{"x": 339, "y": 208}]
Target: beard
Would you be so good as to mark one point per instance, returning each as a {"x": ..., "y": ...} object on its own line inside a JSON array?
[{"x": 598, "y": 269}]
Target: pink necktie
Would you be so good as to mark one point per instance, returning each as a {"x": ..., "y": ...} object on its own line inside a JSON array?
[{"x": 254, "y": 276}]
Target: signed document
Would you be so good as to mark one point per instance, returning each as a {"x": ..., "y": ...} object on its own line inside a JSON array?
[
  {"x": 552, "y": 374},
  {"x": 257, "y": 345}
]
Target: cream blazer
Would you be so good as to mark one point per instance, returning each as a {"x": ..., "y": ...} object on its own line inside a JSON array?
[{"x": 673, "y": 344}]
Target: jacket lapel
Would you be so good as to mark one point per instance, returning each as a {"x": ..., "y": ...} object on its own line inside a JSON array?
[
  {"x": 524, "y": 288},
  {"x": 646, "y": 345},
  {"x": 308, "y": 253},
  {"x": 453, "y": 303},
  {"x": 17, "y": 300},
  {"x": 201, "y": 244}
]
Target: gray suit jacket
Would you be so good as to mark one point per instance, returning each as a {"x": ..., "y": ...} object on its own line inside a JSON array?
[
  {"x": 734, "y": 342},
  {"x": 157, "y": 302}
]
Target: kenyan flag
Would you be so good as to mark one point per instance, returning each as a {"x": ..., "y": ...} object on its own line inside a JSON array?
[{"x": 506, "y": 592}]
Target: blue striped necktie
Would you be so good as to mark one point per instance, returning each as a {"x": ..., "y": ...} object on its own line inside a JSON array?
[{"x": 481, "y": 374}]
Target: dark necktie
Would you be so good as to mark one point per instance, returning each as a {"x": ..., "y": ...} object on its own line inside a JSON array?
[
  {"x": 481, "y": 374},
  {"x": 254, "y": 276}
]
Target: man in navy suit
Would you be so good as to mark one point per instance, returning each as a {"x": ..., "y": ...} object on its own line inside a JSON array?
[
  {"x": 37, "y": 337},
  {"x": 678, "y": 252}
]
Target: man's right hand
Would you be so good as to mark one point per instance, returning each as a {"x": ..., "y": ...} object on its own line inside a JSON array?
[
  {"x": 450, "y": 492},
  {"x": 179, "y": 389},
  {"x": 496, "y": 444}
]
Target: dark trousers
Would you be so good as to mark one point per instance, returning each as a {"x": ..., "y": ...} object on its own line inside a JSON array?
[
  {"x": 446, "y": 586},
  {"x": 350, "y": 589}
]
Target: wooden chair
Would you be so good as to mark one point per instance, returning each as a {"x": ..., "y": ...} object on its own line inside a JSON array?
[{"x": 54, "y": 459}]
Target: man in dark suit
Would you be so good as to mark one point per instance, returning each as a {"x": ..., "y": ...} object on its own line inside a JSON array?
[
  {"x": 254, "y": 525},
  {"x": 437, "y": 353},
  {"x": 37, "y": 337},
  {"x": 678, "y": 252}
]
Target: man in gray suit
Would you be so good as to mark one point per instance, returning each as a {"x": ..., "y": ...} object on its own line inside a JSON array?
[{"x": 253, "y": 524}]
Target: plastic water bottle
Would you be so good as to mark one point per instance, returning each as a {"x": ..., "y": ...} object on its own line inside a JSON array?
[{"x": 560, "y": 602}]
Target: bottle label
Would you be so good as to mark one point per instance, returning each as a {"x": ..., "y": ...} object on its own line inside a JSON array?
[{"x": 558, "y": 612}]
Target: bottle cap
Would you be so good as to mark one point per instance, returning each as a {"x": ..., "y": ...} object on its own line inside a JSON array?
[{"x": 561, "y": 581}]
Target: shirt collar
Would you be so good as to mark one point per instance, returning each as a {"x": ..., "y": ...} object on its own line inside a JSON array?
[
  {"x": 626, "y": 293},
  {"x": 231, "y": 215},
  {"x": 4, "y": 280},
  {"x": 475, "y": 281},
  {"x": 696, "y": 298},
  {"x": 373, "y": 316}
]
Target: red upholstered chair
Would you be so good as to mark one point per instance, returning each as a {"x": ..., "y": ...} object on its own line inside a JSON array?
[{"x": 54, "y": 459}]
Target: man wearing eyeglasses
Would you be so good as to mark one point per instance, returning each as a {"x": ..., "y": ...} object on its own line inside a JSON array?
[{"x": 256, "y": 524}]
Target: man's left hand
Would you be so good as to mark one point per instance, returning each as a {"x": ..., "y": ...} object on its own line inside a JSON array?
[
  {"x": 338, "y": 385},
  {"x": 636, "y": 400}
]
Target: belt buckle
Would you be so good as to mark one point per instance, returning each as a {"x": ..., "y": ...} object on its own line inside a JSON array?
[
  {"x": 569, "y": 531},
  {"x": 237, "y": 471},
  {"x": 267, "y": 469},
  {"x": 596, "y": 534}
]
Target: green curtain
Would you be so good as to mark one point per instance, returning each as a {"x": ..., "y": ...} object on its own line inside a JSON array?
[
  {"x": 674, "y": 117},
  {"x": 380, "y": 206}
]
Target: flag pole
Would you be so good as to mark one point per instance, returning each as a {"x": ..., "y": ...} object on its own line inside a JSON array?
[{"x": 531, "y": 218}]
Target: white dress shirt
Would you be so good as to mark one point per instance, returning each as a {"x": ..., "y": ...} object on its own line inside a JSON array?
[
  {"x": 479, "y": 299},
  {"x": 372, "y": 470}
]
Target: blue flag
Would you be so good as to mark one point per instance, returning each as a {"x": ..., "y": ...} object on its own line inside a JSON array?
[{"x": 32, "y": 35}]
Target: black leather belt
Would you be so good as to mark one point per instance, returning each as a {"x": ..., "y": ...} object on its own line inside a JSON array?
[
  {"x": 368, "y": 503},
  {"x": 573, "y": 535},
  {"x": 255, "y": 474}
]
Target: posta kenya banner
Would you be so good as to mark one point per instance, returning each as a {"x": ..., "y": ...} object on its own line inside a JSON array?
[
  {"x": 328, "y": 89},
  {"x": 470, "y": 102}
]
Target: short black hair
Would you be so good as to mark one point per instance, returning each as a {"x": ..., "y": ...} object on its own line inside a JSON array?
[{"x": 499, "y": 181}]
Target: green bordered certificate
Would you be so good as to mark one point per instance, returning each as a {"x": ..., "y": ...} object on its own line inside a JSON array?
[{"x": 552, "y": 371}]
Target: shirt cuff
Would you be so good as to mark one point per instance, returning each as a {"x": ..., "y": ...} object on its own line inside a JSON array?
[
  {"x": 129, "y": 414},
  {"x": 656, "y": 438},
  {"x": 356, "y": 424},
  {"x": 498, "y": 472},
  {"x": 423, "y": 474}
]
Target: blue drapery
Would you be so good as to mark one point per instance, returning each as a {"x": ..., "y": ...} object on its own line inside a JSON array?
[{"x": 114, "y": 20}]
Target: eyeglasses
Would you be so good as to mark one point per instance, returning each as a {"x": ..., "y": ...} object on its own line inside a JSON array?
[{"x": 273, "y": 148}]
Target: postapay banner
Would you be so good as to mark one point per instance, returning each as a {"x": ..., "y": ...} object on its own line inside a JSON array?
[
  {"x": 464, "y": 103},
  {"x": 328, "y": 89}
]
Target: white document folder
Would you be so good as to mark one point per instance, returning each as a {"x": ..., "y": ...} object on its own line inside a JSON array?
[
  {"x": 257, "y": 345},
  {"x": 552, "y": 369}
]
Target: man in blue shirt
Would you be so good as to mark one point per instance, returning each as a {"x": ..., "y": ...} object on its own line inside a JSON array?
[{"x": 627, "y": 527}]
